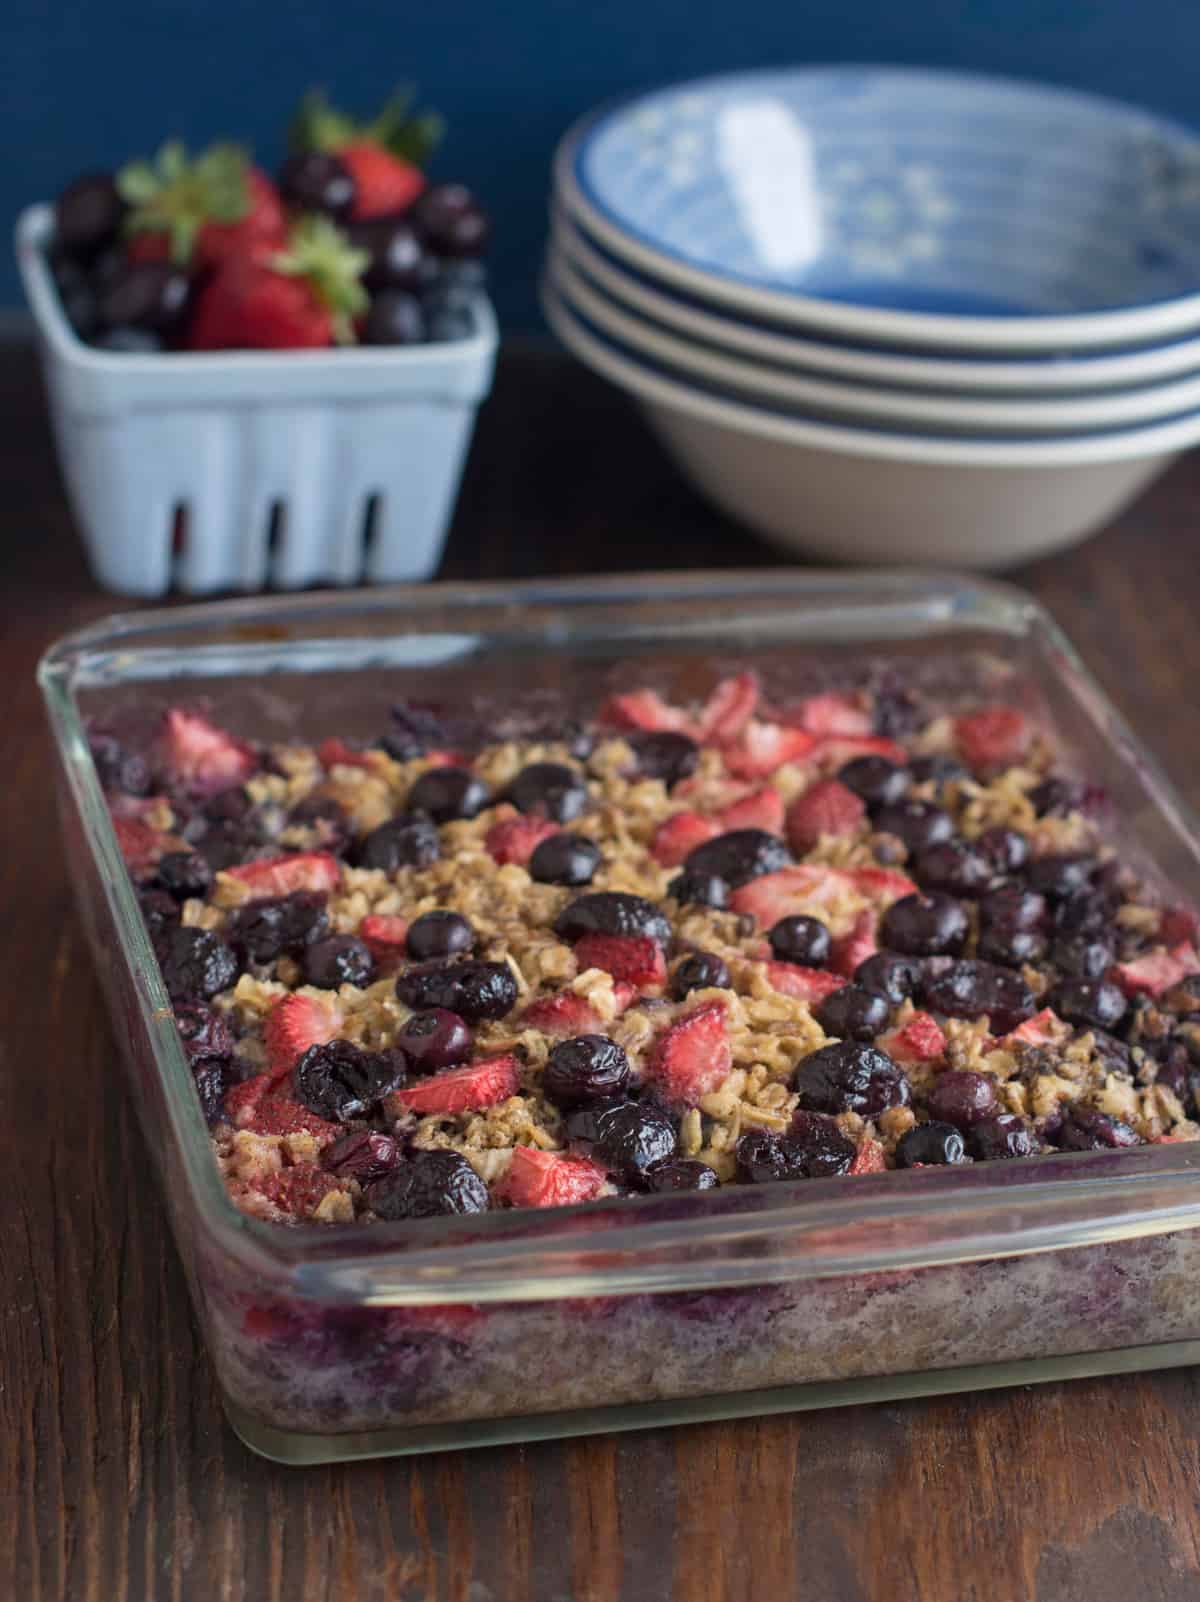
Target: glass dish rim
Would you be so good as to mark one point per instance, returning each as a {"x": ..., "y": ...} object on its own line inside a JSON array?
[{"x": 793, "y": 1231}]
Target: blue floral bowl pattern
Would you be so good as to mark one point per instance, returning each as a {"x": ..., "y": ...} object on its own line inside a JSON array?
[{"x": 914, "y": 192}]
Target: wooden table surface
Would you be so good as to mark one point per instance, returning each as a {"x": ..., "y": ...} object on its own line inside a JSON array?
[{"x": 119, "y": 1479}]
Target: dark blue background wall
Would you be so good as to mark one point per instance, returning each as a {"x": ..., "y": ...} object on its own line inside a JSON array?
[{"x": 86, "y": 83}]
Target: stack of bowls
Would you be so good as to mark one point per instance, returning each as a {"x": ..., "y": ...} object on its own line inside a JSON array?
[{"x": 890, "y": 315}]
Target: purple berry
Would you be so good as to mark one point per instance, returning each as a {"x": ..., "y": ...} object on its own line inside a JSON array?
[
  {"x": 570, "y": 859},
  {"x": 340, "y": 960},
  {"x": 1082, "y": 956},
  {"x": 474, "y": 990},
  {"x": 1059, "y": 877},
  {"x": 889, "y": 975},
  {"x": 974, "y": 989},
  {"x": 317, "y": 180},
  {"x": 1012, "y": 907},
  {"x": 448, "y": 793},
  {"x": 822, "y": 1150},
  {"x": 261, "y": 930},
  {"x": 195, "y": 964},
  {"x": 396, "y": 317},
  {"x": 88, "y": 215},
  {"x": 1004, "y": 1135},
  {"x": 628, "y": 1137},
  {"x": 939, "y": 770},
  {"x": 762, "y": 1158},
  {"x": 213, "y": 1078},
  {"x": 204, "y": 1032},
  {"x": 340, "y": 1081},
  {"x": 430, "y": 1184},
  {"x": 853, "y": 1013},
  {"x": 1089, "y": 1129},
  {"x": 439, "y": 934},
  {"x": 954, "y": 866},
  {"x": 612, "y": 912},
  {"x": 699, "y": 890},
  {"x": 1057, "y": 797},
  {"x": 451, "y": 221},
  {"x": 365, "y": 1155},
  {"x": 549, "y": 790},
  {"x": 684, "y": 1173},
  {"x": 875, "y": 780},
  {"x": 434, "y": 1039},
  {"x": 665, "y": 755},
  {"x": 1012, "y": 949},
  {"x": 930, "y": 1143},
  {"x": 925, "y": 925},
  {"x": 1088, "y": 1003},
  {"x": 962, "y": 1098},
  {"x": 850, "y": 1077},
  {"x": 739, "y": 856},
  {"x": 398, "y": 256},
  {"x": 588, "y": 1068},
  {"x": 1006, "y": 849},
  {"x": 160, "y": 912},
  {"x": 801, "y": 939},
  {"x": 701, "y": 972},
  {"x": 920, "y": 824},
  {"x": 409, "y": 841}
]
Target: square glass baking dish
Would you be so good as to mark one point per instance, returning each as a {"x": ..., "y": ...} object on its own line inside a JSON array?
[{"x": 367, "y": 1340}]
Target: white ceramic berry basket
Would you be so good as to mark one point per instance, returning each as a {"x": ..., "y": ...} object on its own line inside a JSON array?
[{"x": 245, "y": 469}]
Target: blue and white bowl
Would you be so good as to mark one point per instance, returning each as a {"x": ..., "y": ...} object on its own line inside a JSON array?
[{"x": 922, "y": 209}]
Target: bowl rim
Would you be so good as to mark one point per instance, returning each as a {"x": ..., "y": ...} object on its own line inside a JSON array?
[{"x": 1077, "y": 330}]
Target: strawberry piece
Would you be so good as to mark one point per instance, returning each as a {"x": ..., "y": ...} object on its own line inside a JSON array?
[
  {"x": 728, "y": 709},
  {"x": 645, "y": 710},
  {"x": 761, "y": 809},
  {"x": 515, "y": 839},
  {"x": 1043, "y": 1029},
  {"x": 624, "y": 994},
  {"x": 475, "y": 1085},
  {"x": 693, "y": 1057},
  {"x": 805, "y": 984},
  {"x": 636, "y": 959},
  {"x": 336, "y": 753},
  {"x": 141, "y": 845},
  {"x": 994, "y": 737},
  {"x": 679, "y": 835},
  {"x": 858, "y": 945},
  {"x": 385, "y": 936},
  {"x": 1155, "y": 972},
  {"x": 882, "y": 885},
  {"x": 263, "y": 227},
  {"x": 831, "y": 714},
  {"x": 548, "y": 1179},
  {"x": 869, "y": 1158},
  {"x": 297, "y": 1190},
  {"x": 918, "y": 1040},
  {"x": 281, "y": 1115},
  {"x": 566, "y": 1014},
  {"x": 789, "y": 890},
  {"x": 384, "y": 184},
  {"x": 202, "y": 211},
  {"x": 764, "y": 748},
  {"x": 827, "y": 807},
  {"x": 294, "y": 1024},
  {"x": 203, "y": 758},
  {"x": 298, "y": 870},
  {"x": 831, "y": 752}
]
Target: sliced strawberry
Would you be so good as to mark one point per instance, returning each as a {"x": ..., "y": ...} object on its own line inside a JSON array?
[
  {"x": 297, "y": 1190},
  {"x": 882, "y": 885},
  {"x": 624, "y": 994},
  {"x": 805, "y": 984},
  {"x": 636, "y": 959},
  {"x": 728, "y": 709},
  {"x": 294, "y": 1024},
  {"x": 827, "y": 807},
  {"x": 855, "y": 947},
  {"x": 548, "y": 1179},
  {"x": 645, "y": 710},
  {"x": 566, "y": 1014},
  {"x": 280, "y": 876},
  {"x": 761, "y": 809},
  {"x": 764, "y": 748},
  {"x": 202, "y": 757},
  {"x": 1155, "y": 972},
  {"x": 789, "y": 890},
  {"x": 679, "y": 835},
  {"x": 1043, "y": 1029},
  {"x": 385, "y": 936},
  {"x": 918, "y": 1040},
  {"x": 831, "y": 714},
  {"x": 869, "y": 1158},
  {"x": 281, "y": 1115},
  {"x": 693, "y": 1057},
  {"x": 832, "y": 751},
  {"x": 140, "y": 844},
  {"x": 475, "y": 1085},
  {"x": 515, "y": 839},
  {"x": 995, "y": 737},
  {"x": 335, "y": 753}
]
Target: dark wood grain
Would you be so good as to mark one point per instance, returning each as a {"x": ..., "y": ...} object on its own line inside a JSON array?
[{"x": 120, "y": 1482}]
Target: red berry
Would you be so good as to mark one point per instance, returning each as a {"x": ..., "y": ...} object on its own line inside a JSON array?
[
  {"x": 677, "y": 836},
  {"x": 294, "y": 1024},
  {"x": 516, "y": 838},
  {"x": 203, "y": 758},
  {"x": 693, "y": 1057},
  {"x": 281, "y": 876},
  {"x": 477, "y": 1084},
  {"x": 826, "y": 808},
  {"x": 549, "y": 1179},
  {"x": 805, "y": 984},
  {"x": 763, "y": 748},
  {"x": 728, "y": 709},
  {"x": 637, "y": 960},
  {"x": 995, "y": 737},
  {"x": 566, "y": 1014},
  {"x": 832, "y": 714},
  {"x": 761, "y": 809},
  {"x": 384, "y": 184}
]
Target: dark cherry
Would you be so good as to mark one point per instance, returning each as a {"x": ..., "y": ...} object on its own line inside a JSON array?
[
  {"x": 1012, "y": 948},
  {"x": 549, "y": 790},
  {"x": 665, "y": 755},
  {"x": 702, "y": 972},
  {"x": 761, "y": 1158},
  {"x": 396, "y": 317},
  {"x": 129, "y": 341},
  {"x": 151, "y": 295},
  {"x": 1089, "y": 1129},
  {"x": 159, "y": 910},
  {"x": 340, "y": 1081},
  {"x": 452, "y": 221},
  {"x": 801, "y": 939},
  {"x": 972, "y": 989},
  {"x": 365, "y": 1155},
  {"x": 699, "y": 890},
  {"x": 409, "y": 841},
  {"x": 398, "y": 258},
  {"x": 565, "y": 858},
  {"x": 821, "y": 1149},
  {"x": 1003, "y": 1135},
  {"x": 920, "y": 824},
  {"x": 897, "y": 711},
  {"x": 629, "y": 1137},
  {"x": 342, "y": 959},
  {"x": 962, "y": 1098},
  {"x": 1059, "y": 877},
  {"x": 317, "y": 180},
  {"x": 184, "y": 874},
  {"x": 939, "y": 770},
  {"x": 1088, "y": 1003},
  {"x": 214, "y": 1078},
  {"x": 261, "y": 930},
  {"x": 88, "y": 215},
  {"x": 889, "y": 975},
  {"x": 739, "y": 856},
  {"x": 1082, "y": 956},
  {"x": 449, "y": 793},
  {"x": 428, "y": 1184},
  {"x": 956, "y": 866},
  {"x": 474, "y": 990},
  {"x": 612, "y": 912},
  {"x": 853, "y": 1013},
  {"x": 1057, "y": 797},
  {"x": 1088, "y": 912},
  {"x": 1012, "y": 907},
  {"x": 195, "y": 963},
  {"x": 434, "y": 1039},
  {"x": 683, "y": 1173},
  {"x": 588, "y": 1068},
  {"x": 925, "y": 925},
  {"x": 1114, "y": 1053},
  {"x": 1006, "y": 849},
  {"x": 439, "y": 934},
  {"x": 875, "y": 780},
  {"x": 850, "y": 1077},
  {"x": 204, "y": 1033},
  {"x": 930, "y": 1143}
]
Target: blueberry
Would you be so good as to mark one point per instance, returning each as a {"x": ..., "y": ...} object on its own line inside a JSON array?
[
  {"x": 586, "y": 1069},
  {"x": 1089, "y": 1129},
  {"x": 665, "y": 755},
  {"x": 365, "y": 1155},
  {"x": 439, "y": 934},
  {"x": 88, "y": 214},
  {"x": 889, "y": 975},
  {"x": 1003, "y": 1135},
  {"x": 1088, "y": 1003},
  {"x": 452, "y": 221},
  {"x": 398, "y": 257},
  {"x": 474, "y": 990},
  {"x": 395, "y": 317},
  {"x": 701, "y": 972},
  {"x": 340, "y": 1081},
  {"x": 1057, "y": 797},
  {"x": 429, "y": 1184},
  {"x": 850, "y": 1077},
  {"x": 417, "y": 729},
  {"x": 195, "y": 963},
  {"x": 628, "y": 1137},
  {"x": 160, "y": 911},
  {"x": 449, "y": 793},
  {"x": 1006, "y": 849},
  {"x": 853, "y": 1013},
  {"x": 565, "y": 859},
  {"x": 1087, "y": 912},
  {"x": 150, "y": 296},
  {"x": 434, "y": 1039},
  {"x": 1012, "y": 948},
  {"x": 875, "y": 780},
  {"x": 341, "y": 959},
  {"x": 317, "y": 180},
  {"x": 409, "y": 841},
  {"x": 761, "y": 1158},
  {"x": 549, "y": 790},
  {"x": 213, "y": 1077},
  {"x": 955, "y": 866},
  {"x": 972, "y": 989},
  {"x": 699, "y": 890},
  {"x": 204, "y": 1033},
  {"x": 739, "y": 856},
  {"x": 683, "y": 1173},
  {"x": 925, "y": 925},
  {"x": 962, "y": 1098},
  {"x": 261, "y": 930},
  {"x": 118, "y": 769},
  {"x": 1059, "y": 877},
  {"x": 930, "y": 1143},
  {"x": 801, "y": 939},
  {"x": 821, "y": 1148},
  {"x": 920, "y": 824},
  {"x": 1011, "y": 907},
  {"x": 612, "y": 912},
  {"x": 939, "y": 770},
  {"x": 1082, "y": 956},
  {"x": 897, "y": 712}
]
